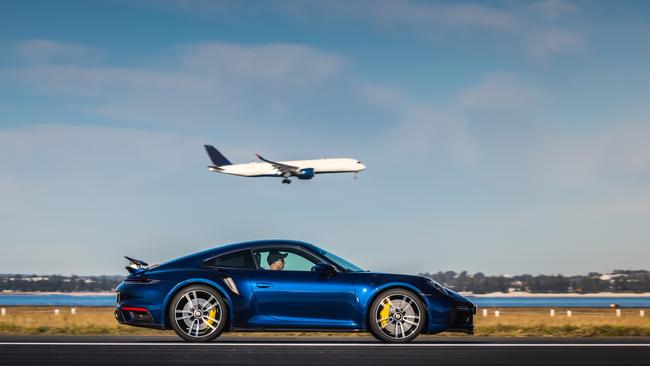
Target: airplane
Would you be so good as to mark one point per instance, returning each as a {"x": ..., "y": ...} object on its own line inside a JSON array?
[{"x": 301, "y": 169}]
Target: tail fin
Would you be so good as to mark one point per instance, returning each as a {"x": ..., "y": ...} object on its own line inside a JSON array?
[{"x": 217, "y": 158}]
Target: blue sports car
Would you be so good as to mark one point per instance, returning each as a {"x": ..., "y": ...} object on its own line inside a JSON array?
[{"x": 284, "y": 285}]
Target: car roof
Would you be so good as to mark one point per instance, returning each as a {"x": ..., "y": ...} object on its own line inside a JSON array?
[
  {"x": 252, "y": 244},
  {"x": 205, "y": 254}
]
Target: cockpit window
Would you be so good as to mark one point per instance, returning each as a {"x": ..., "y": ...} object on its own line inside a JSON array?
[
  {"x": 349, "y": 267},
  {"x": 291, "y": 259},
  {"x": 240, "y": 259}
]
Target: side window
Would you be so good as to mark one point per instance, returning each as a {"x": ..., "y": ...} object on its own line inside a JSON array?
[
  {"x": 241, "y": 259},
  {"x": 284, "y": 259}
]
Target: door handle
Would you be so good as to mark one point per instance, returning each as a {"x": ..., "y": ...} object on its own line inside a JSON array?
[{"x": 263, "y": 284}]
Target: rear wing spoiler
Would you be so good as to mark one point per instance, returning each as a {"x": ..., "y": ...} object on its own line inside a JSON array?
[{"x": 135, "y": 265}]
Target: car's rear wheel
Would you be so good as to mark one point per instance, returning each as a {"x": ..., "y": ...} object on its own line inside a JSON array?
[
  {"x": 198, "y": 313},
  {"x": 396, "y": 316}
]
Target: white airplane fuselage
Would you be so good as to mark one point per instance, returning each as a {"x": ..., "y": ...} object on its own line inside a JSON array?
[{"x": 319, "y": 166}]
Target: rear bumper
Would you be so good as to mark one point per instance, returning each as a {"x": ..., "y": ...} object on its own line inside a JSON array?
[
  {"x": 141, "y": 305},
  {"x": 138, "y": 317}
]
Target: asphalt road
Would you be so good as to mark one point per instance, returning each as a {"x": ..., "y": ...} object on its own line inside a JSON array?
[{"x": 94, "y": 350}]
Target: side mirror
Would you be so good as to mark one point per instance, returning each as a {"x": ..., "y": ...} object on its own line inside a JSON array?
[{"x": 325, "y": 269}]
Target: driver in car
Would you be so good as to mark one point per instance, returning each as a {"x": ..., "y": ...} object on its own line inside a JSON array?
[{"x": 276, "y": 260}]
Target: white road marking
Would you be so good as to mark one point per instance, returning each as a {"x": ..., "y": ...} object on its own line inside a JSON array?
[{"x": 252, "y": 344}]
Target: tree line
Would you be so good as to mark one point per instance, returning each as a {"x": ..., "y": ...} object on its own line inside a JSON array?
[
  {"x": 58, "y": 283},
  {"x": 478, "y": 283}
]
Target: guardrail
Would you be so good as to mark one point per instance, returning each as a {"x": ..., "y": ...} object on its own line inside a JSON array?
[
  {"x": 56, "y": 311},
  {"x": 569, "y": 313}
]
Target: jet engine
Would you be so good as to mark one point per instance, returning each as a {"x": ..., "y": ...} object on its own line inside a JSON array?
[{"x": 306, "y": 173}]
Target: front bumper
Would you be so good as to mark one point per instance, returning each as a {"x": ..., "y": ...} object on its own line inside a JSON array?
[
  {"x": 461, "y": 319},
  {"x": 450, "y": 314}
]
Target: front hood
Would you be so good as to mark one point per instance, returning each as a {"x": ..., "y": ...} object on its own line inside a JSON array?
[
  {"x": 412, "y": 279},
  {"x": 379, "y": 278},
  {"x": 458, "y": 297}
]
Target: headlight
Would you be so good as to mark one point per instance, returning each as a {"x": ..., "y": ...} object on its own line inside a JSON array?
[{"x": 440, "y": 288}]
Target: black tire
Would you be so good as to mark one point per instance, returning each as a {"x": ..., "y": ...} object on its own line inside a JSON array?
[
  {"x": 184, "y": 309},
  {"x": 404, "y": 320}
]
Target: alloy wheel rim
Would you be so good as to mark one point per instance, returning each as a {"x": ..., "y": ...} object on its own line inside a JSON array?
[
  {"x": 198, "y": 313},
  {"x": 398, "y": 316}
]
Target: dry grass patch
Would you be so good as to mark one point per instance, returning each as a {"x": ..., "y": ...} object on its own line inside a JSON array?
[
  {"x": 589, "y": 322},
  {"x": 511, "y": 322},
  {"x": 87, "y": 320}
]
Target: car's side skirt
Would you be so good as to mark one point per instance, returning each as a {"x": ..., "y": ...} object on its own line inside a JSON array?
[{"x": 296, "y": 329}]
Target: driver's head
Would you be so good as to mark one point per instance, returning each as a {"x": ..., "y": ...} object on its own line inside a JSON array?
[{"x": 276, "y": 260}]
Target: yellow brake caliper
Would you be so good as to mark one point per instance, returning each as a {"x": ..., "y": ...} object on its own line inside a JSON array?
[
  {"x": 212, "y": 315},
  {"x": 384, "y": 314}
]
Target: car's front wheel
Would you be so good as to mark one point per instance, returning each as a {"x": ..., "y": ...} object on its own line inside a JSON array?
[
  {"x": 198, "y": 313},
  {"x": 396, "y": 316}
]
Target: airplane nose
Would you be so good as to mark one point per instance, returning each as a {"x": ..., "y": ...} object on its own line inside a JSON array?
[{"x": 363, "y": 167}]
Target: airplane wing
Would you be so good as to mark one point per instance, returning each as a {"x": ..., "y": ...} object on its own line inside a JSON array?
[{"x": 285, "y": 169}]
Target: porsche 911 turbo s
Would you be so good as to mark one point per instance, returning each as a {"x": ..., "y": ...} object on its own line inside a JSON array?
[{"x": 284, "y": 285}]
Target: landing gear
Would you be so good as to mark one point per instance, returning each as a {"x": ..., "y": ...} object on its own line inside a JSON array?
[{"x": 286, "y": 181}]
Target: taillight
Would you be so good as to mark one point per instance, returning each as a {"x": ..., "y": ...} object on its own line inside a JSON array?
[
  {"x": 137, "y": 310},
  {"x": 136, "y": 314},
  {"x": 141, "y": 280}
]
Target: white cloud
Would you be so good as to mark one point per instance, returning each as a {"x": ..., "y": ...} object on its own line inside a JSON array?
[
  {"x": 200, "y": 68},
  {"x": 543, "y": 44},
  {"x": 422, "y": 129},
  {"x": 270, "y": 65},
  {"x": 453, "y": 130},
  {"x": 533, "y": 29},
  {"x": 100, "y": 82},
  {"x": 382, "y": 95},
  {"x": 382, "y": 12},
  {"x": 468, "y": 16},
  {"x": 614, "y": 159},
  {"x": 530, "y": 29},
  {"x": 555, "y": 9},
  {"x": 500, "y": 92},
  {"x": 205, "y": 82},
  {"x": 421, "y": 15},
  {"x": 42, "y": 50}
]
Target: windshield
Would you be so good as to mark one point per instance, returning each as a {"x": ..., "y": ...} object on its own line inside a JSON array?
[{"x": 342, "y": 262}]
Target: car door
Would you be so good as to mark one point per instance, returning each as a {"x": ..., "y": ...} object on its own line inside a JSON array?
[{"x": 297, "y": 296}]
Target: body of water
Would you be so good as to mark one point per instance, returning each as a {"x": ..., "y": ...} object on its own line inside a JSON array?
[
  {"x": 568, "y": 302},
  {"x": 560, "y": 302},
  {"x": 58, "y": 300}
]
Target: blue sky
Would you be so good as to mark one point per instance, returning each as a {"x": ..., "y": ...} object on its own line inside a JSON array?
[{"x": 500, "y": 136}]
